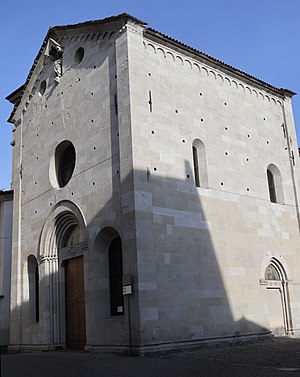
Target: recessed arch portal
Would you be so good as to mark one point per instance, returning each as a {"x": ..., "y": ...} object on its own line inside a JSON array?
[
  {"x": 61, "y": 251},
  {"x": 277, "y": 298}
]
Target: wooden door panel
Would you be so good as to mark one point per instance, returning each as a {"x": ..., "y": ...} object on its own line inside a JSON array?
[{"x": 75, "y": 304}]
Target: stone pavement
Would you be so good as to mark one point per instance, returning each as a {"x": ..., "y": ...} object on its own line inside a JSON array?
[{"x": 279, "y": 357}]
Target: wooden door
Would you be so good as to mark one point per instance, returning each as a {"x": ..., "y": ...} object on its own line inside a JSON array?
[{"x": 75, "y": 305}]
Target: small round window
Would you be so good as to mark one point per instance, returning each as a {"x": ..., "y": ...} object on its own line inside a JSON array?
[
  {"x": 43, "y": 87},
  {"x": 65, "y": 158},
  {"x": 79, "y": 54}
]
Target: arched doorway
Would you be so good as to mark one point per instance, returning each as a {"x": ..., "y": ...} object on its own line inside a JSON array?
[
  {"x": 277, "y": 298},
  {"x": 62, "y": 248}
]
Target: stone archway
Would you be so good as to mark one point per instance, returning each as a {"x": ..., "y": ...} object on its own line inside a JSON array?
[
  {"x": 61, "y": 253},
  {"x": 277, "y": 298}
]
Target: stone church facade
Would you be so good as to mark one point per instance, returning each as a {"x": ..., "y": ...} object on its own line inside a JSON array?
[{"x": 143, "y": 166}]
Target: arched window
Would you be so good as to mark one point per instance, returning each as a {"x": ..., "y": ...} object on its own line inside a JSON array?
[
  {"x": 275, "y": 184},
  {"x": 199, "y": 163},
  {"x": 33, "y": 280},
  {"x": 115, "y": 277}
]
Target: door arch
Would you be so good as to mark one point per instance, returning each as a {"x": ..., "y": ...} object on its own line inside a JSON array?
[
  {"x": 61, "y": 252},
  {"x": 278, "y": 299}
]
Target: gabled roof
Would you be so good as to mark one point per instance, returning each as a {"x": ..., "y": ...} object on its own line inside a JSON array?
[
  {"x": 16, "y": 96},
  {"x": 152, "y": 34}
]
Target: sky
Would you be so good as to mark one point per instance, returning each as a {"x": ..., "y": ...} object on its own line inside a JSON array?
[{"x": 260, "y": 37}]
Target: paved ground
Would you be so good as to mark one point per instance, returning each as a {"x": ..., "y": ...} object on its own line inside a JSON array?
[{"x": 280, "y": 357}]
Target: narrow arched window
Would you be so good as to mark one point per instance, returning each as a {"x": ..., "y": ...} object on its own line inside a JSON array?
[
  {"x": 275, "y": 184},
  {"x": 271, "y": 184},
  {"x": 196, "y": 167},
  {"x": 199, "y": 163},
  {"x": 33, "y": 282},
  {"x": 115, "y": 277}
]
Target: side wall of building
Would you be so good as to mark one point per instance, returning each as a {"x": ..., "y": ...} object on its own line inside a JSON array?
[{"x": 203, "y": 251}]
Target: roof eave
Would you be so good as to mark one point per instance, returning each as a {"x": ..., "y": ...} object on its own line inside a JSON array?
[{"x": 156, "y": 36}]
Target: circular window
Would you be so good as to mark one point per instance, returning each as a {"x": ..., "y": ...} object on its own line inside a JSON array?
[
  {"x": 79, "y": 54},
  {"x": 62, "y": 164},
  {"x": 43, "y": 87}
]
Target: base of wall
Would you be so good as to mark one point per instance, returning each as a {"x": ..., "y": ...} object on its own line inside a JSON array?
[
  {"x": 29, "y": 348},
  {"x": 153, "y": 348},
  {"x": 181, "y": 345}
]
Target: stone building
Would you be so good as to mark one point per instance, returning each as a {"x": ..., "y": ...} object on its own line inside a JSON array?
[
  {"x": 6, "y": 210},
  {"x": 141, "y": 164}
]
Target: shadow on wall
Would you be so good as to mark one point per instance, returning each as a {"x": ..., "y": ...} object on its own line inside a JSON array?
[{"x": 179, "y": 296}]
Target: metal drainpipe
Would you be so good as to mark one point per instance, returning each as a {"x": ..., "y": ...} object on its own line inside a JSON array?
[{"x": 291, "y": 165}]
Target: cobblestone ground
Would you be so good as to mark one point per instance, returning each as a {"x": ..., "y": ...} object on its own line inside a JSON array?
[{"x": 272, "y": 358}]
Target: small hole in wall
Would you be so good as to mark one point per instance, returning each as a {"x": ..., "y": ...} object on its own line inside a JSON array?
[
  {"x": 52, "y": 123},
  {"x": 226, "y": 153},
  {"x": 176, "y": 111},
  {"x": 94, "y": 67},
  {"x": 222, "y": 183},
  {"x": 267, "y": 142},
  {"x": 248, "y": 135},
  {"x": 35, "y": 211},
  {"x": 62, "y": 92},
  {"x": 50, "y": 204},
  {"x": 201, "y": 119},
  {"x": 35, "y": 183},
  {"x": 247, "y": 159},
  {"x": 248, "y": 189},
  {"x": 93, "y": 183},
  {"x": 149, "y": 74},
  {"x": 118, "y": 134},
  {"x": 152, "y": 132},
  {"x": 78, "y": 79},
  {"x": 92, "y": 120},
  {"x": 117, "y": 171},
  {"x": 201, "y": 94},
  {"x": 226, "y": 128},
  {"x": 225, "y": 103},
  {"x": 188, "y": 176},
  {"x": 92, "y": 93},
  {"x": 72, "y": 193},
  {"x": 264, "y": 118},
  {"x": 37, "y": 134},
  {"x": 183, "y": 141},
  {"x": 46, "y": 106},
  {"x": 154, "y": 169},
  {"x": 94, "y": 148},
  {"x": 37, "y": 158}
]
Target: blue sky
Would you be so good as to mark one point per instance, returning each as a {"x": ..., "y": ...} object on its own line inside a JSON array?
[{"x": 260, "y": 37}]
